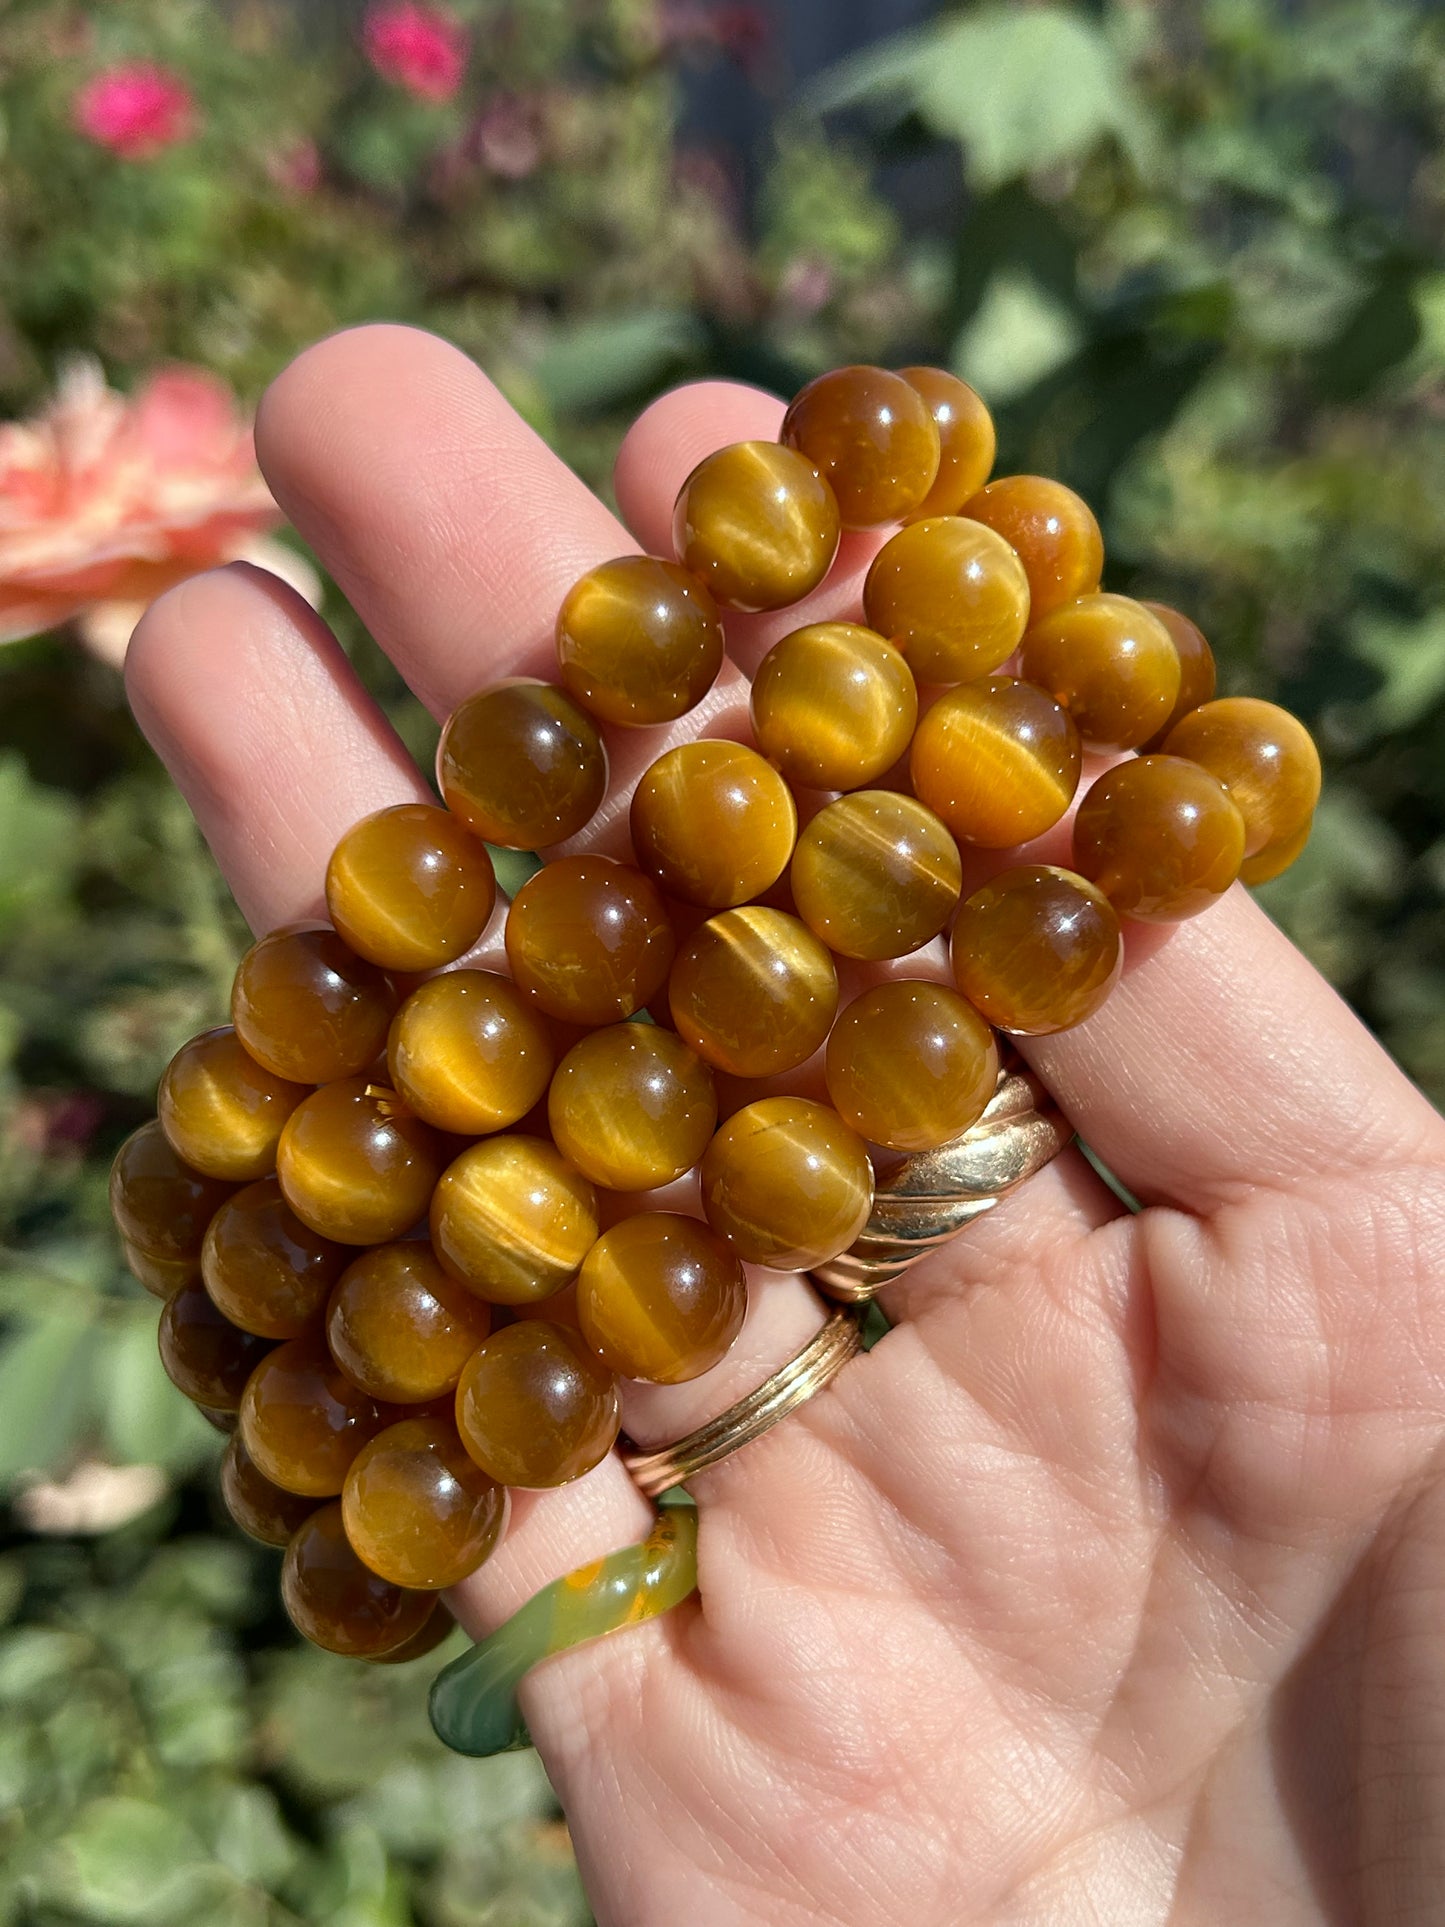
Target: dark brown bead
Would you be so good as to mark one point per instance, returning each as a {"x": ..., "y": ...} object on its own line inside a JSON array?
[
  {"x": 1036, "y": 949},
  {"x": 437, "y": 1630},
  {"x": 639, "y": 640},
  {"x": 1264, "y": 757},
  {"x": 1160, "y": 837},
  {"x": 787, "y": 1183},
  {"x": 753, "y": 992},
  {"x": 308, "y": 1008},
  {"x": 410, "y": 888},
  {"x": 589, "y": 940},
  {"x": 160, "y": 1276},
  {"x": 535, "y": 1408},
  {"x": 1196, "y": 666},
  {"x": 875, "y": 875},
  {"x": 1053, "y": 531},
  {"x": 356, "y": 1166},
  {"x": 1110, "y": 663},
  {"x": 340, "y": 1604},
  {"x": 661, "y": 1297},
  {"x": 873, "y": 436},
  {"x": 205, "y": 1355},
  {"x": 266, "y": 1270},
  {"x": 262, "y": 1510},
  {"x": 522, "y": 765},
  {"x": 303, "y": 1422},
  {"x": 160, "y": 1205},
  {"x": 911, "y": 1065},
  {"x": 632, "y": 1106}
]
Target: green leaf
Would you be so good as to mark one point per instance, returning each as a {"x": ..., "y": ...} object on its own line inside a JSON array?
[
  {"x": 144, "y": 1421},
  {"x": 1018, "y": 336},
  {"x": 45, "y": 1393},
  {"x": 1410, "y": 657},
  {"x": 605, "y": 358},
  {"x": 126, "y": 1861},
  {"x": 37, "y": 842}
]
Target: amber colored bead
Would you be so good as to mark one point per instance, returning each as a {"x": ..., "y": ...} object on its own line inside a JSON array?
[
  {"x": 513, "y": 1219},
  {"x": 875, "y": 874},
  {"x": 303, "y": 1421},
  {"x": 639, "y": 640},
  {"x": 951, "y": 594},
  {"x": 224, "y": 1422},
  {"x": 911, "y": 1064},
  {"x": 873, "y": 436},
  {"x": 1110, "y": 663},
  {"x": 266, "y": 1270},
  {"x": 160, "y": 1205},
  {"x": 1160, "y": 837},
  {"x": 997, "y": 760},
  {"x": 205, "y": 1355},
  {"x": 522, "y": 765},
  {"x": 262, "y": 1510},
  {"x": 1264, "y": 757},
  {"x": 438, "y": 1628},
  {"x": 589, "y": 940},
  {"x": 355, "y": 1165},
  {"x": 833, "y": 705},
  {"x": 410, "y": 888},
  {"x": 753, "y": 991},
  {"x": 468, "y": 1053},
  {"x": 417, "y": 1509},
  {"x": 401, "y": 1327},
  {"x": 1196, "y": 667},
  {"x": 713, "y": 823},
  {"x": 1037, "y": 949},
  {"x": 1272, "y": 861},
  {"x": 222, "y": 1111},
  {"x": 340, "y": 1604},
  {"x": 1053, "y": 532},
  {"x": 758, "y": 523},
  {"x": 661, "y": 1297},
  {"x": 308, "y": 1008},
  {"x": 160, "y": 1276},
  {"x": 967, "y": 442},
  {"x": 787, "y": 1183},
  {"x": 535, "y": 1408},
  {"x": 632, "y": 1107}
]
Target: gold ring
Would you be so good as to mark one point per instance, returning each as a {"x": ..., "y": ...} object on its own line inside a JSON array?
[{"x": 792, "y": 1385}]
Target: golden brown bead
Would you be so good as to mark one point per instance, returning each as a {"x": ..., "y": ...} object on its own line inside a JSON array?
[
  {"x": 911, "y": 1065},
  {"x": 417, "y": 1509},
  {"x": 205, "y": 1355},
  {"x": 410, "y": 888},
  {"x": 222, "y": 1111},
  {"x": 875, "y": 875},
  {"x": 661, "y": 1297},
  {"x": 303, "y": 1422},
  {"x": 308, "y": 1008},
  {"x": 512, "y": 1219},
  {"x": 753, "y": 992},
  {"x": 639, "y": 640},
  {"x": 1037, "y": 949},
  {"x": 262, "y": 1510},
  {"x": 1053, "y": 531},
  {"x": 758, "y": 523},
  {"x": 535, "y": 1408},
  {"x": 713, "y": 823},
  {"x": 468, "y": 1053},
  {"x": 338, "y": 1603},
  {"x": 589, "y": 939},
  {"x": 833, "y": 705},
  {"x": 873, "y": 436},
  {"x": 787, "y": 1183},
  {"x": 355, "y": 1165},
  {"x": 966, "y": 439},
  {"x": 266, "y": 1270},
  {"x": 1264, "y": 757},
  {"x": 160, "y": 1276},
  {"x": 400, "y": 1327},
  {"x": 632, "y": 1107},
  {"x": 1196, "y": 666},
  {"x": 160, "y": 1205},
  {"x": 522, "y": 765},
  {"x": 1110, "y": 663},
  {"x": 951, "y": 594},
  {"x": 1160, "y": 838},
  {"x": 1272, "y": 861},
  {"x": 997, "y": 760}
]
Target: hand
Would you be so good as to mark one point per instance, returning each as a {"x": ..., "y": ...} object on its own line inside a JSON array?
[{"x": 1109, "y": 1586}]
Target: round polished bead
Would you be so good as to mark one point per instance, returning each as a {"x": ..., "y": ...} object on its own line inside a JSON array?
[
  {"x": 1110, "y": 663},
  {"x": 410, "y": 888},
  {"x": 438, "y": 1628},
  {"x": 951, "y": 594},
  {"x": 1196, "y": 667},
  {"x": 753, "y": 991},
  {"x": 417, "y": 1509},
  {"x": 262, "y": 1510},
  {"x": 833, "y": 705},
  {"x": 304, "y": 1422},
  {"x": 355, "y": 1165},
  {"x": 589, "y": 940},
  {"x": 308, "y": 1008},
  {"x": 911, "y": 1065},
  {"x": 758, "y": 523},
  {"x": 205, "y": 1355},
  {"x": 160, "y": 1276},
  {"x": 1053, "y": 532},
  {"x": 713, "y": 823},
  {"x": 512, "y": 1219},
  {"x": 875, "y": 875},
  {"x": 632, "y": 1106},
  {"x": 787, "y": 1183},
  {"x": 1037, "y": 949},
  {"x": 1264, "y": 757},
  {"x": 522, "y": 765},
  {"x": 873, "y": 436},
  {"x": 266, "y": 1270},
  {"x": 965, "y": 435},
  {"x": 1160, "y": 838},
  {"x": 337, "y": 1602},
  {"x": 997, "y": 760},
  {"x": 222, "y": 1111},
  {"x": 468, "y": 1053},
  {"x": 400, "y": 1327},
  {"x": 226, "y": 1423},
  {"x": 1272, "y": 861},
  {"x": 535, "y": 1408},
  {"x": 160, "y": 1205},
  {"x": 661, "y": 1297},
  {"x": 639, "y": 640}
]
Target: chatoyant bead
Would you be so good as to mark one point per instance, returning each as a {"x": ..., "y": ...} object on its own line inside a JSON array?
[
  {"x": 951, "y": 594},
  {"x": 965, "y": 435},
  {"x": 266, "y": 1270},
  {"x": 911, "y": 1065},
  {"x": 632, "y": 1107},
  {"x": 303, "y": 1422},
  {"x": 873, "y": 436},
  {"x": 713, "y": 823},
  {"x": 661, "y": 1297},
  {"x": 758, "y": 523},
  {"x": 417, "y": 1509},
  {"x": 355, "y": 1165},
  {"x": 1036, "y": 949},
  {"x": 160, "y": 1204},
  {"x": 833, "y": 706},
  {"x": 400, "y": 1327},
  {"x": 222, "y": 1111},
  {"x": 205, "y": 1355},
  {"x": 753, "y": 991},
  {"x": 787, "y": 1183},
  {"x": 997, "y": 760},
  {"x": 1053, "y": 531},
  {"x": 308, "y": 1008},
  {"x": 1160, "y": 837},
  {"x": 468, "y": 1053},
  {"x": 639, "y": 640},
  {"x": 1196, "y": 666},
  {"x": 1272, "y": 861},
  {"x": 337, "y": 1602},
  {"x": 522, "y": 765},
  {"x": 160, "y": 1276},
  {"x": 589, "y": 940},
  {"x": 875, "y": 874},
  {"x": 410, "y": 888},
  {"x": 513, "y": 1219},
  {"x": 1264, "y": 757},
  {"x": 535, "y": 1408},
  {"x": 1110, "y": 663},
  {"x": 262, "y": 1510}
]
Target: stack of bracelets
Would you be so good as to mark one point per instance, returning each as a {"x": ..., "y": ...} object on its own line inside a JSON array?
[{"x": 396, "y": 1210}]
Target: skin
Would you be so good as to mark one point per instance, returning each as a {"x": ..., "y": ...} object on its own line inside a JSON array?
[{"x": 1108, "y": 1587}]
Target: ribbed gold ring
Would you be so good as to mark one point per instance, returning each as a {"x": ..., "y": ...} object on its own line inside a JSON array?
[{"x": 792, "y": 1385}]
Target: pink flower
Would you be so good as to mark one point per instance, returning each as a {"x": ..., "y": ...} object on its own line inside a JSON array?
[
  {"x": 417, "y": 47},
  {"x": 134, "y": 110}
]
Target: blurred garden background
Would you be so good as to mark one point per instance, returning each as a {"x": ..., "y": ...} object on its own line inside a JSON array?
[{"x": 1192, "y": 252}]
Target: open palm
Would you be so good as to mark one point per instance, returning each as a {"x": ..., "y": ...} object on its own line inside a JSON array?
[{"x": 1108, "y": 1587}]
